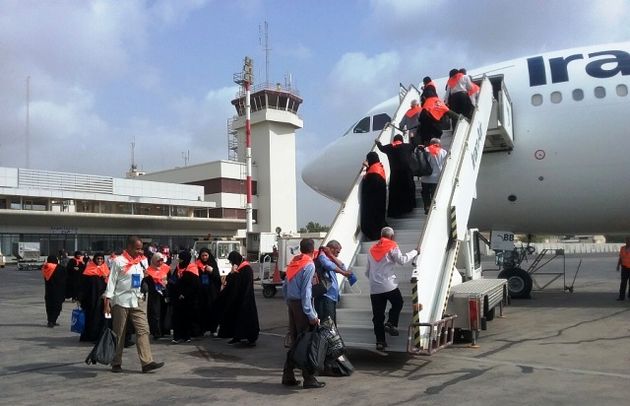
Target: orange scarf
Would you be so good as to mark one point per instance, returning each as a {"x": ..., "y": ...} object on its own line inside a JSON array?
[
  {"x": 396, "y": 143},
  {"x": 434, "y": 149},
  {"x": 48, "y": 269},
  {"x": 297, "y": 264},
  {"x": 101, "y": 270},
  {"x": 79, "y": 261},
  {"x": 241, "y": 266},
  {"x": 452, "y": 81},
  {"x": 201, "y": 265},
  {"x": 192, "y": 268},
  {"x": 378, "y": 169},
  {"x": 413, "y": 111},
  {"x": 382, "y": 247},
  {"x": 131, "y": 261},
  {"x": 158, "y": 274}
]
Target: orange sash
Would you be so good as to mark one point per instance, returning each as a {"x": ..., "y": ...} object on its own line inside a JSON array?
[
  {"x": 474, "y": 89},
  {"x": 396, "y": 143},
  {"x": 624, "y": 255},
  {"x": 192, "y": 268},
  {"x": 297, "y": 264},
  {"x": 452, "y": 81},
  {"x": 382, "y": 247},
  {"x": 435, "y": 107},
  {"x": 413, "y": 111},
  {"x": 378, "y": 169},
  {"x": 241, "y": 266},
  {"x": 131, "y": 261},
  {"x": 158, "y": 275},
  {"x": 434, "y": 149},
  {"x": 431, "y": 83},
  {"x": 48, "y": 269},
  {"x": 201, "y": 265},
  {"x": 97, "y": 270}
]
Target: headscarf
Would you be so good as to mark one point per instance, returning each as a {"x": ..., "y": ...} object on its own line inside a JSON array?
[
  {"x": 398, "y": 140},
  {"x": 372, "y": 158},
  {"x": 235, "y": 258}
]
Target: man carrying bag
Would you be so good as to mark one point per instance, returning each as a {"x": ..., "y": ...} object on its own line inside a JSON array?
[{"x": 297, "y": 289}]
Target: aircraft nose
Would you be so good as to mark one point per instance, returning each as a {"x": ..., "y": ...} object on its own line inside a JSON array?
[{"x": 313, "y": 175}]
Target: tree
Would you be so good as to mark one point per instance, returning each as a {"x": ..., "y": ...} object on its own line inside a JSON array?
[{"x": 314, "y": 227}]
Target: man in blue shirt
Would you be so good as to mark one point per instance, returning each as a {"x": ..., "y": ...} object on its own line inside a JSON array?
[
  {"x": 327, "y": 266},
  {"x": 297, "y": 290}
]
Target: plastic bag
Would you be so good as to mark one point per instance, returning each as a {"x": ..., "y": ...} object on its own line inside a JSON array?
[
  {"x": 309, "y": 352},
  {"x": 336, "y": 346},
  {"x": 77, "y": 322},
  {"x": 105, "y": 349}
]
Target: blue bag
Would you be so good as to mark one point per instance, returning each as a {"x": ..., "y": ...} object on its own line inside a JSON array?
[{"x": 77, "y": 323}]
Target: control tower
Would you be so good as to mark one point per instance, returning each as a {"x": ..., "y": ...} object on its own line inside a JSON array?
[{"x": 273, "y": 122}]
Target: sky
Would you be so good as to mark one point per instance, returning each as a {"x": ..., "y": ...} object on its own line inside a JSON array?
[{"x": 103, "y": 73}]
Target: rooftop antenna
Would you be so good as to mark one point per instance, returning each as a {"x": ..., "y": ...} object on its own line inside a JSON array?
[
  {"x": 133, "y": 154},
  {"x": 28, "y": 122},
  {"x": 263, "y": 39},
  {"x": 186, "y": 157}
]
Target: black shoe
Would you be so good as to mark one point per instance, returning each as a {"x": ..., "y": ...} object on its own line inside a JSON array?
[
  {"x": 380, "y": 346},
  {"x": 313, "y": 385},
  {"x": 234, "y": 341},
  {"x": 152, "y": 366},
  {"x": 291, "y": 382},
  {"x": 56, "y": 324},
  {"x": 391, "y": 330},
  {"x": 620, "y": 298},
  {"x": 50, "y": 325},
  {"x": 116, "y": 369}
]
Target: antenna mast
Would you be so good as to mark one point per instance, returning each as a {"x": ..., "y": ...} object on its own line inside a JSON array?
[
  {"x": 264, "y": 41},
  {"x": 28, "y": 122}
]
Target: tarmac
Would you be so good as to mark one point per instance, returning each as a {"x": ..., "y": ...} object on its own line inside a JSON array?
[{"x": 557, "y": 348}]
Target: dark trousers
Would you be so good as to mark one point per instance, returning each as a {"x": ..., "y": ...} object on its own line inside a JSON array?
[
  {"x": 326, "y": 307},
  {"x": 298, "y": 323},
  {"x": 428, "y": 190},
  {"x": 625, "y": 276},
  {"x": 379, "y": 304}
]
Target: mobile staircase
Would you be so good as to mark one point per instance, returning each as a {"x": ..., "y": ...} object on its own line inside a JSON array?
[{"x": 428, "y": 281}]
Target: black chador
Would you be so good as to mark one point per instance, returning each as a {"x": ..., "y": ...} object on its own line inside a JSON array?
[
  {"x": 402, "y": 189},
  {"x": 93, "y": 285},
  {"x": 74, "y": 269},
  {"x": 239, "y": 316},
  {"x": 210, "y": 279},
  {"x": 186, "y": 299},
  {"x": 55, "y": 288},
  {"x": 373, "y": 198}
]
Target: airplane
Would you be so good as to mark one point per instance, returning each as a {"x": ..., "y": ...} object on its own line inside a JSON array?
[{"x": 568, "y": 172}]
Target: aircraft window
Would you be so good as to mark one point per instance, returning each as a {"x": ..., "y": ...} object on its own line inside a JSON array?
[
  {"x": 537, "y": 99},
  {"x": 578, "y": 94},
  {"x": 556, "y": 97},
  {"x": 600, "y": 92},
  {"x": 362, "y": 126},
  {"x": 379, "y": 121},
  {"x": 622, "y": 90}
]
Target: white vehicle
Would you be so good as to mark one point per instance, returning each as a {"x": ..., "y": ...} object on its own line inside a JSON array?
[
  {"x": 220, "y": 249},
  {"x": 27, "y": 255},
  {"x": 543, "y": 158}
]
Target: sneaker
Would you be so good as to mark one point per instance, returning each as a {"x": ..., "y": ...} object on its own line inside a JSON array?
[
  {"x": 174, "y": 341},
  {"x": 391, "y": 330},
  {"x": 152, "y": 366},
  {"x": 380, "y": 346},
  {"x": 314, "y": 384},
  {"x": 233, "y": 341},
  {"x": 116, "y": 369}
]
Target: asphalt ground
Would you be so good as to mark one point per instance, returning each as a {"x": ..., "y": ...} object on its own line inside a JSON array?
[{"x": 557, "y": 348}]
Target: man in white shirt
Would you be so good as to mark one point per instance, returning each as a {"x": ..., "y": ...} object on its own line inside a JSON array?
[
  {"x": 125, "y": 301},
  {"x": 383, "y": 256}
]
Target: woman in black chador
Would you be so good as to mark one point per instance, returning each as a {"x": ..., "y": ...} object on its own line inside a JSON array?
[
  {"x": 239, "y": 316},
  {"x": 74, "y": 269},
  {"x": 402, "y": 189},
  {"x": 93, "y": 285},
  {"x": 373, "y": 198},
  {"x": 186, "y": 299},
  {"x": 55, "y": 288},
  {"x": 210, "y": 279}
]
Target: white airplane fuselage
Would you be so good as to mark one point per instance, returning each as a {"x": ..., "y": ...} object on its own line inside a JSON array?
[{"x": 569, "y": 171}]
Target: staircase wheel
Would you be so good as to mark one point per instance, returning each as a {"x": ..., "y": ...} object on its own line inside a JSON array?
[{"x": 519, "y": 282}]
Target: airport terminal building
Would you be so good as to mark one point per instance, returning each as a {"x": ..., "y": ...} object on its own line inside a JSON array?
[{"x": 73, "y": 211}]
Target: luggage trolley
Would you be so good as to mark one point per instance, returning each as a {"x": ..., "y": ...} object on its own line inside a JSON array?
[{"x": 269, "y": 275}]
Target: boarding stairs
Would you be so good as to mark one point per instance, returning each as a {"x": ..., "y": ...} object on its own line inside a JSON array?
[{"x": 429, "y": 279}]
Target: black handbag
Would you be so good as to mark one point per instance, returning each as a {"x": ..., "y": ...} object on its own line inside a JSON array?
[
  {"x": 105, "y": 349},
  {"x": 421, "y": 163},
  {"x": 309, "y": 351}
]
